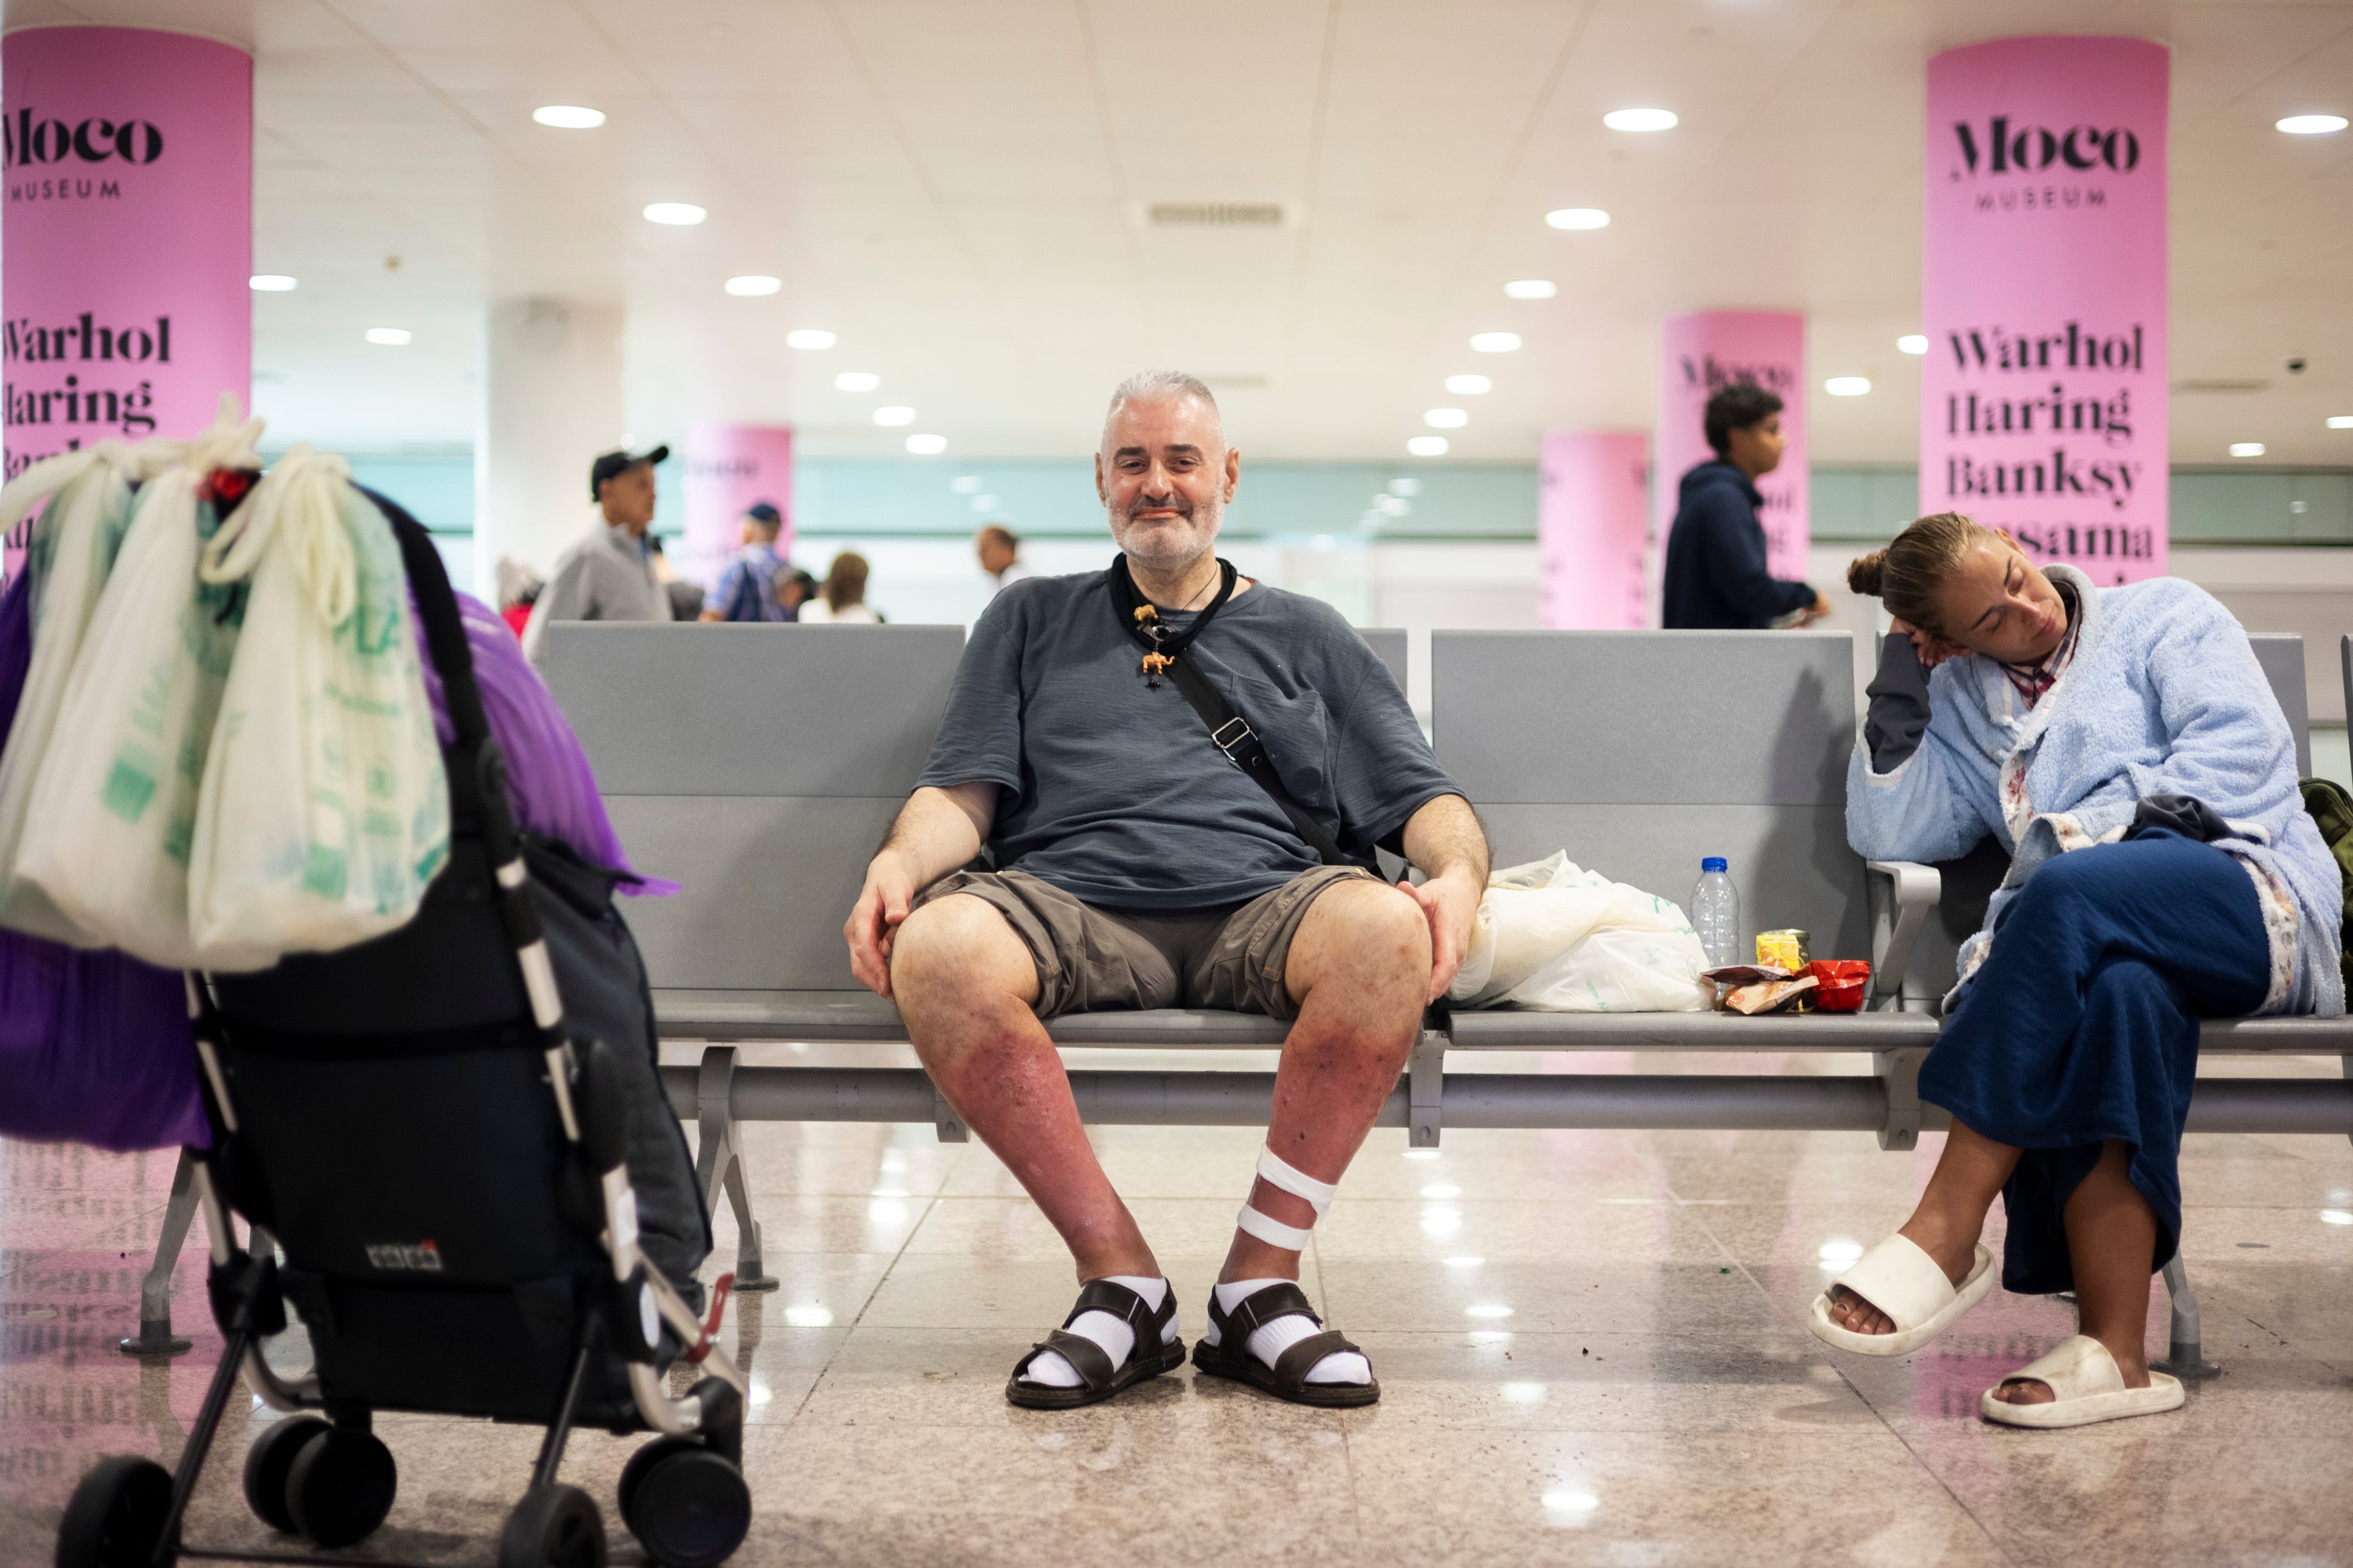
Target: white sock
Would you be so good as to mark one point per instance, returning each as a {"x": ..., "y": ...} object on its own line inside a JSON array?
[
  {"x": 1051, "y": 1371},
  {"x": 1272, "y": 1339}
]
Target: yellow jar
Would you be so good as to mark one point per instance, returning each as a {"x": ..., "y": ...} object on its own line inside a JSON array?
[{"x": 1784, "y": 950}]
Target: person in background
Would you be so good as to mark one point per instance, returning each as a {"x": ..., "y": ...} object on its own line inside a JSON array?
[
  {"x": 519, "y": 589},
  {"x": 795, "y": 588},
  {"x": 1715, "y": 573},
  {"x": 747, "y": 588},
  {"x": 1000, "y": 557},
  {"x": 2124, "y": 746},
  {"x": 842, "y": 600},
  {"x": 607, "y": 575}
]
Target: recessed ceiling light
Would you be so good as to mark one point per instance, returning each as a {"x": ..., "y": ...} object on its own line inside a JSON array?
[
  {"x": 1912, "y": 342},
  {"x": 569, "y": 117},
  {"x": 1531, "y": 289},
  {"x": 1495, "y": 343},
  {"x": 752, "y": 285},
  {"x": 2246, "y": 449},
  {"x": 2341, "y": 422},
  {"x": 1641, "y": 119},
  {"x": 1847, "y": 385},
  {"x": 1427, "y": 446},
  {"x": 1469, "y": 386},
  {"x": 927, "y": 446},
  {"x": 2312, "y": 124},
  {"x": 270, "y": 283},
  {"x": 390, "y": 337},
  {"x": 808, "y": 338},
  {"x": 679, "y": 214},
  {"x": 1577, "y": 217},
  {"x": 1446, "y": 418},
  {"x": 894, "y": 414},
  {"x": 857, "y": 381}
]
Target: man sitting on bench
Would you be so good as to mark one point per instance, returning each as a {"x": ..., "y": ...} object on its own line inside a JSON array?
[{"x": 1138, "y": 866}]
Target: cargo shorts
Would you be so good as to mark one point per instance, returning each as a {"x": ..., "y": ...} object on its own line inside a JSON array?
[{"x": 1093, "y": 959}]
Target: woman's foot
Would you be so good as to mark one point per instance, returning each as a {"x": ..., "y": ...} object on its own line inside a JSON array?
[
  {"x": 1954, "y": 1252},
  {"x": 2132, "y": 1361}
]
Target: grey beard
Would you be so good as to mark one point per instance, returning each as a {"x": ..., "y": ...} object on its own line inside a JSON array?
[{"x": 1202, "y": 529}]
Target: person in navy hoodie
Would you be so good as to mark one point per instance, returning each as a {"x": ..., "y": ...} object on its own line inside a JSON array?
[{"x": 1715, "y": 576}]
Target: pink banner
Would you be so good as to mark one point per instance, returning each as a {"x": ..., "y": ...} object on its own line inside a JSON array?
[
  {"x": 1700, "y": 355},
  {"x": 729, "y": 469},
  {"x": 1593, "y": 530},
  {"x": 128, "y": 238},
  {"x": 2043, "y": 405}
]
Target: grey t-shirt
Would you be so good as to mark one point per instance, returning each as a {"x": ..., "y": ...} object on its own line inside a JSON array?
[{"x": 1114, "y": 793}]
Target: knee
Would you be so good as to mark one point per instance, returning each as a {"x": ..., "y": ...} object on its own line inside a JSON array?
[
  {"x": 1384, "y": 931},
  {"x": 2060, "y": 888},
  {"x": 949, "y": 946}
]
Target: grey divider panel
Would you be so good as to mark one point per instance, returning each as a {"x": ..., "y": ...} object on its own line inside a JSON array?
[
  {"x": 1645, "y": 718},
  {"x": 757, "y": 765},
  {"x": 686, "y": 709},
  {"x": 2282, "y": 656},
  {"x": 1388, "y": 643}
]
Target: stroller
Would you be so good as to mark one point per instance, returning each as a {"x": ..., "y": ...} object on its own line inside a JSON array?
[{"x": 453, "y": 1166}]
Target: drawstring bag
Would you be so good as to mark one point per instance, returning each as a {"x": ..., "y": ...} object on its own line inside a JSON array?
[
  {"x": 324, "y": 811},
  {"x": 113, "y": 811},
  {"x": 72, "y": 551}
]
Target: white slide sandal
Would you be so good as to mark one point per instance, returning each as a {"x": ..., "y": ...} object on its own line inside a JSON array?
[
  {"x": 2088, "y": 1387},
  {"x": 1908, "y": 1285}
]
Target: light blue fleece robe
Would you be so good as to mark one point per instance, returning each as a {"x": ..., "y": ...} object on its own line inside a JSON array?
[{"x": 2162, "y": 697}]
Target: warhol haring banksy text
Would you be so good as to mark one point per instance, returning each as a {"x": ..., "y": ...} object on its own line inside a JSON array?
[{"x": 2044, "y": 299}]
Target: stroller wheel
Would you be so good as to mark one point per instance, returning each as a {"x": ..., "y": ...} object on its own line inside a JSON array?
[
  {"x": 116, "y": 1517},
  {"x": 341, "y": 1486},
  {"x": 690, "y": 1508},
  {"x": 645, "y": 1460},
  {"x": 267, "y": 1464},
  {"x": 553, "y": 1527}
]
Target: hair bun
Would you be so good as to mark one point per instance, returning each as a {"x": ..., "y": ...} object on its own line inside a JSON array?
[{"x": 1864, "y": 572}]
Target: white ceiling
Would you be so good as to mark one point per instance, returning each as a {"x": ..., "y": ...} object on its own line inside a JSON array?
[{"x": 951, "y": 186}]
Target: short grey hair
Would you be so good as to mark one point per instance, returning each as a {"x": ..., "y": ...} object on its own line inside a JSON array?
[{"x": 1150, "y": 385}]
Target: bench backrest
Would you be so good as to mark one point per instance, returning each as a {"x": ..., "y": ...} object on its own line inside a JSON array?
[
  {"x": 1639, "y": 752},
  {"x": 1970, "y": 882},
  {"x": 759, "y": 765}
]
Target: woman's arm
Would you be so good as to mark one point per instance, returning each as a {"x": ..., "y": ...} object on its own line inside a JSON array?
[
  {"x": 1909, "y": 795},
  {"x": 2228, "y": 744}
]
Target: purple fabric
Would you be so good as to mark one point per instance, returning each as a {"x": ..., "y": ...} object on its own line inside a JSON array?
[
  {"x": 548, "y": 776},
  {"x": 94, "y": 1047}
]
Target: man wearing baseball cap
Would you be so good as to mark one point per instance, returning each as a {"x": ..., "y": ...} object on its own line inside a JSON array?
[
  {"x": 747, "y": 588},
  {"x": 607, "y": 575}
]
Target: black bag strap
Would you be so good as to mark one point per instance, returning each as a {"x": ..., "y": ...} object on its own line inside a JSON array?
[{"x": 1228, "y": 731}]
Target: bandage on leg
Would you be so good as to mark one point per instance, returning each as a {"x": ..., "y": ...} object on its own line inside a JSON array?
[
  {"x": 1275, "y": 1173},
  {"x": 1271, "y": 1341}
]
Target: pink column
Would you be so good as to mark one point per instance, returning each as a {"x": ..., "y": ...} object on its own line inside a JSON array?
[
  {"x": 729, "y": 469},
  {"x": 1593, "y": 530},
  {"x": 2043, "y": 292},
  {"x": 128, "y": 236},
  {"x": 1701, "y": 354}
]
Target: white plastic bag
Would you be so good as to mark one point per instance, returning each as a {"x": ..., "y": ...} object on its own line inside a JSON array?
[
  {"x": 114, "y": 809},
  {"x": 72, "y": 552},
  {"x": 324, "y": 810},
  {"x": 1553, "y": 937}
]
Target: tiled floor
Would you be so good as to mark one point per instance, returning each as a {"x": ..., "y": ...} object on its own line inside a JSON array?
[{"x": 1589, "y": 1345}]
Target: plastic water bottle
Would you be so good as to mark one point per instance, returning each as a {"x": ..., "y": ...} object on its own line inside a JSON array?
[{"x": 1716, "y": 912}]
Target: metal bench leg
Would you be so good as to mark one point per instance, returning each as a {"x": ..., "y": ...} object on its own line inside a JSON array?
[
  {"x": 946, "y": 1121},
  {"x": 1899, "y": 1074},
  {"x": 719, "y": 1161},
  {"x": 2183, "y": 1357},
  {"x": 155, "y": 1336},
  {"x": 1426, "y": 1091}
]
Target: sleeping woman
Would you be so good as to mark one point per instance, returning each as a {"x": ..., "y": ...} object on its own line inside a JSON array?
[{"x": 2123, "y": 746}]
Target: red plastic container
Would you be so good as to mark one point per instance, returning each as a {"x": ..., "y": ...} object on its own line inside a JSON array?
[{"x": 1840, "y": 984}]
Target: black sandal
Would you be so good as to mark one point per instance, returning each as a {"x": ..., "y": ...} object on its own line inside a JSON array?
[
  {"x": 1287, "y": 1379},
  {"x": 1098, "y": 1379}
]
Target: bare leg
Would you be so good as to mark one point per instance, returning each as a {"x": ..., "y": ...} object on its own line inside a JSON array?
[
  {"x": 1951, "y": 1216},
  {"x": 2111, "y": 1236},
  {"x": 1359, "y": 968},
  {"x": 964, "y": 984}
]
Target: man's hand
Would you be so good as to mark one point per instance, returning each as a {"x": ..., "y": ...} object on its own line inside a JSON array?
[
  {"x": 875, "y": 920},
  {"x": 1449, "y": 901},
  {"x": 1933, "y": 649}
]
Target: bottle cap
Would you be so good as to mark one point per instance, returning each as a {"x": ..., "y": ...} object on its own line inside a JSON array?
[{"x": 1715, "y": 863}]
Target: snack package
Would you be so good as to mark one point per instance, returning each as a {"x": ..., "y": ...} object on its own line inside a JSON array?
[{"x": 1768, "y": 994}]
